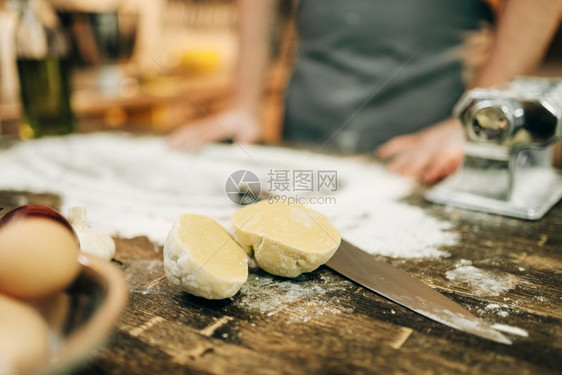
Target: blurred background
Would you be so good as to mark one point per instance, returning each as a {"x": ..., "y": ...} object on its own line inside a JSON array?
[{"x": 132, "y": 59}]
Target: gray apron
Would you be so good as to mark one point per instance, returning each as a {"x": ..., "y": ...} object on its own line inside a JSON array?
[{"x": 369, "y": 70}]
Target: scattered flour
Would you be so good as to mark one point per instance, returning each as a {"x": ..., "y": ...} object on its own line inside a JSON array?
[
  {"x": 135, "y": 186},
  {"x": 268, "y": 296},
  {"x": 463, "y": 262},
  {"x": 145, "y": 276},
  {"x": 510, "y": 329},
  {"x": 497, "y": 309},
  {"x": 484, "y": 283}
]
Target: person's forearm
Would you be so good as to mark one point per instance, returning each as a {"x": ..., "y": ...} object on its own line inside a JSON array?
[
  {"x": 524, "y": 30},
  {"x": 255, "y": 20}
]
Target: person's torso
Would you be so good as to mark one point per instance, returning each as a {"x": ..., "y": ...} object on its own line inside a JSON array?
[{"x": 369, "y": 70}]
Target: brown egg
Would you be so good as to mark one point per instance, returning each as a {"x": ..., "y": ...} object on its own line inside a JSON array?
[
  {"x": 24, "y": 337},
  {"x": 38, "y": 257}
]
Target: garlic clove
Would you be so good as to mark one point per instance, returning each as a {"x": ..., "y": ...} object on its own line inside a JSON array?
[
  {"x": 77, "y": 216},
  {"x": 92, "y": 241}
]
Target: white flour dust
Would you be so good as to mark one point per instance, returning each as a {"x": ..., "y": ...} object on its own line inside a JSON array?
[
  {"x": 135, "y": 186},
  {"x": 499, "y": 310},
  {"x": 483, "y": 283},
  {"x": 268, "y": 297},
  {"x": 510, "y": 329},
  {"x": 145, "y": 276}
]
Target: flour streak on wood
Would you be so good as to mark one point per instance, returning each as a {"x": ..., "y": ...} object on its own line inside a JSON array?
[
  {"x": 153, "y": 283},
  {"x": 401, "y": 338},
  {"x": 542, "y": 240},
  {"x": 209, "y": 330},
  {"x": 140, "y": 329}
]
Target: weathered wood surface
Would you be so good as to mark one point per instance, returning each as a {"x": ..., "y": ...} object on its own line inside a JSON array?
[{"x": 322, "y": 323}]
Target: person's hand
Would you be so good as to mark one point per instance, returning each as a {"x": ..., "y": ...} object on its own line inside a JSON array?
[
  {"x": 238, "y": 125},
  {"x": 428, "y": 155}
]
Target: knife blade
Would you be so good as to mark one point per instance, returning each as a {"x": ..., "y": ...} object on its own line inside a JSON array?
[{"x": 397, "y": 286}]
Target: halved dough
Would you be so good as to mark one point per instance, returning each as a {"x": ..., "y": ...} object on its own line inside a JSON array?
[
  {"x": 285, "y": 240},
  {"x": 203, "y": 259}
]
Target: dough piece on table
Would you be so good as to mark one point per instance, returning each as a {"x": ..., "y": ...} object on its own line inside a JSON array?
[
  {"x": 203, "y": 259},
  {"x": 286, "y": 240}
]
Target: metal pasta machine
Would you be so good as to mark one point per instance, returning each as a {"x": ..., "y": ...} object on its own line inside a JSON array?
[{"x": 510, "y": 133}]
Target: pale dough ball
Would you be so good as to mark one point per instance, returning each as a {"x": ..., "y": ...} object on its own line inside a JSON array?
[
  {"x": 203, "y": 259},
  {"x": 285, "y": 240},
  {"x": 24, "y": 337}
]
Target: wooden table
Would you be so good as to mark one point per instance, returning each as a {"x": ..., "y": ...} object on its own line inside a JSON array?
[{"x": 322, "y": 323}]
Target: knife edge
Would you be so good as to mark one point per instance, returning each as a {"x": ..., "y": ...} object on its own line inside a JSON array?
[{"x": 399, "y": 287}]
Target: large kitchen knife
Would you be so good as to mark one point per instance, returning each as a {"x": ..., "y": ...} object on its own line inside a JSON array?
[{"x": 398, "y": 286}]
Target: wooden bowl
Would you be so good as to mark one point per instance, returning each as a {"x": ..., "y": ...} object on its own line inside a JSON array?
[{"x": 82, "y": 318}]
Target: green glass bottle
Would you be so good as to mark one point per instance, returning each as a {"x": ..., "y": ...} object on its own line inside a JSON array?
[{"x": 44, "y": 71}]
